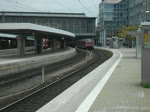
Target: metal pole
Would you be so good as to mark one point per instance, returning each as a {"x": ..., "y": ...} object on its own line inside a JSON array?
[
  {"x": 3, "y": 17},
  {"x": 86, "y": 54},
  {"x": 146, "y": 9},
  {"x": 91, "y": 53},
  {"x": 43, "y": 74},
  {"x": 105, "y": 38}
]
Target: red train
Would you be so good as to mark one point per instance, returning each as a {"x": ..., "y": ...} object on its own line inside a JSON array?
[
  {"x": 85, "y": 44},
  {"x": 45, "y": 43}
]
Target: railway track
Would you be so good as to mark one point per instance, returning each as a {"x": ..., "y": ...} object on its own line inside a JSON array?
[
  {"x": 19, "y": 77},
  {"x": 43, "y": 95}
]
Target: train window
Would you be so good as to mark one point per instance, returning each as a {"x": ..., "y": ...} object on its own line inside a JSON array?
[{"x": 89, "y": 41}]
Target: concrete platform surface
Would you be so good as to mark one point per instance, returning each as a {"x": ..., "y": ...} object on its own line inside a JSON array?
[
  {"x": 34, "y": 57},
  {"x": 114, "y": 86},
  {"x": 10, "y": 65},
  {"x": 71, "y": 99},
  {"x": 123, "y": 92}
]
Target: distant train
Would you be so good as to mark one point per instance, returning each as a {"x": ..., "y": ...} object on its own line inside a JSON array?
[
  {"x": 85, "y": 44},
  {"x": 45, "y": 43}
]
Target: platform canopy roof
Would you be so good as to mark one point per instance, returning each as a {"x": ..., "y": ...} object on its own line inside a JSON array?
[
  {"x": 112, "y": 1},
  {"x": 32, "y": 29},
  {"x": 145, "y": 25},
  {"x": 7, "y": 35}
]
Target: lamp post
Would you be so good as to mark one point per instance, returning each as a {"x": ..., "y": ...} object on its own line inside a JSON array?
[
  {"x": 146, "y": 5},
  {"x": 147, "y": 12},
  {"x": 138, "y": 42}
]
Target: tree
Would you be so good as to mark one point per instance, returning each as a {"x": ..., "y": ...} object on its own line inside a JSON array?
[{"x": 123, "y": 32}]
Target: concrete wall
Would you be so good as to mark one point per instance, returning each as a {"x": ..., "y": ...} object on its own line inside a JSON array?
[
  {"x": 145, "y": 59},
  {"x": 14, "y": 51},
  {"x": 145, "y": 77}
]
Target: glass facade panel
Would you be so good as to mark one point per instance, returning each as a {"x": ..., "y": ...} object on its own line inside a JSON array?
[
  {"x": 108, "y": 16},
  {"x": 136, "y": 15},
  {"x": 83, "y": 26},
  {"x": 90, "y": 26},
  {"x": 64, "y": 24},
  {"x": 109, "y": 7},
  {"x": 70, "y": 25},
  {"x": 77, "y": 25},
  {"x": 112, "y": 16}
]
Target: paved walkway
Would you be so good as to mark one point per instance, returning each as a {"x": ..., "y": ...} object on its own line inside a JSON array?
[
  {"x": 123, "y": 92},
  {"x": 114, "y": 86},
  {"x": 71, "y": 99}
]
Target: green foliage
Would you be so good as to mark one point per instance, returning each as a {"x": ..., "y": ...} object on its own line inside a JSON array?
[
  {"x": 123, "y": 32},
  {"x": 146, "y": 85},
  {"x": 129, "y": 37}
]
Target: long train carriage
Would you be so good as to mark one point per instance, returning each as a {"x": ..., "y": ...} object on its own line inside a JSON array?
[{"x": 85, "y": 44}]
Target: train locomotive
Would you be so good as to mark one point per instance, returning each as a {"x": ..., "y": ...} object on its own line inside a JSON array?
[{"x": 85, "y": 44}]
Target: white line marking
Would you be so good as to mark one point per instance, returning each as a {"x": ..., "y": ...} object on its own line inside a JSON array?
[{"x": 87, "y": 103}]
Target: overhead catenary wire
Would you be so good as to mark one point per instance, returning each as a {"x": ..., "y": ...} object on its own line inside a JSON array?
[
  {"x": 7, "y": 6},
  {"x": 10, "y": 6},
  {"x": 18, "y": 7},
  {"x": 93, "y": 4},
  {"x": 25, "y": 6},
  {"x": 26, "y": 2},
  {"x": 13, "y": 5},
  {"x": 85, "y": 7},
  {"x": 61, "y": 4},
  {"x": 77, "y": 6}
]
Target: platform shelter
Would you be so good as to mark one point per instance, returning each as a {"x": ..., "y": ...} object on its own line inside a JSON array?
[
  {"x": 145, "y": 78},
  {"x": 22, "y": 30},
  {"x": 138, "y": 35}
]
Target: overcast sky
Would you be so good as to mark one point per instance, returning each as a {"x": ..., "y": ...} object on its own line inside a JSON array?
[{"x": 90, "y": 7}]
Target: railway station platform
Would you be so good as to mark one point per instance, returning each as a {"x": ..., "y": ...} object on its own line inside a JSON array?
[
  {"x": 114, "y": 86},
  {"x": 15, "y": 64}
]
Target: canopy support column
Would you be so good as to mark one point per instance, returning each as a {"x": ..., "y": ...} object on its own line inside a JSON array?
[
  {"x": 63, "y": 43},
  {"x": 35, "y": 45},
  {"x": 39, "y": 45},
  {"x": 54, "y": 44},
  {"x": 21, "y": 45}
]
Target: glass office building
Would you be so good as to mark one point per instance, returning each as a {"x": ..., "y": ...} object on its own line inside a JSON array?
[
  {"x": 78, "y": 23},
  {"x": 116, "y": 13},
  {"x": 139, "y": 11},
  {"x": 112, "y": 15}
]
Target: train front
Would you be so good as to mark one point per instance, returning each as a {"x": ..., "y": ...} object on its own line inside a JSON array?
[{"x": 89, "y": 43}]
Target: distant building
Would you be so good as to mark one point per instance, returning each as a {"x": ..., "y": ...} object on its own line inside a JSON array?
[
  {"x": 112, "y": 15},
  {"x": 138, "y": 11},
  {"x": 78, "y": 23},
  {"x": 116, "y": 13}
]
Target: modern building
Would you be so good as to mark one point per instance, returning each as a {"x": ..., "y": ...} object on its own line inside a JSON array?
[
  {"x": 77, "y": 23},
  {"x": 139, "y": 11},
  {"x": 116, "y": 13},
  {"x": 112, "y": 15}
]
